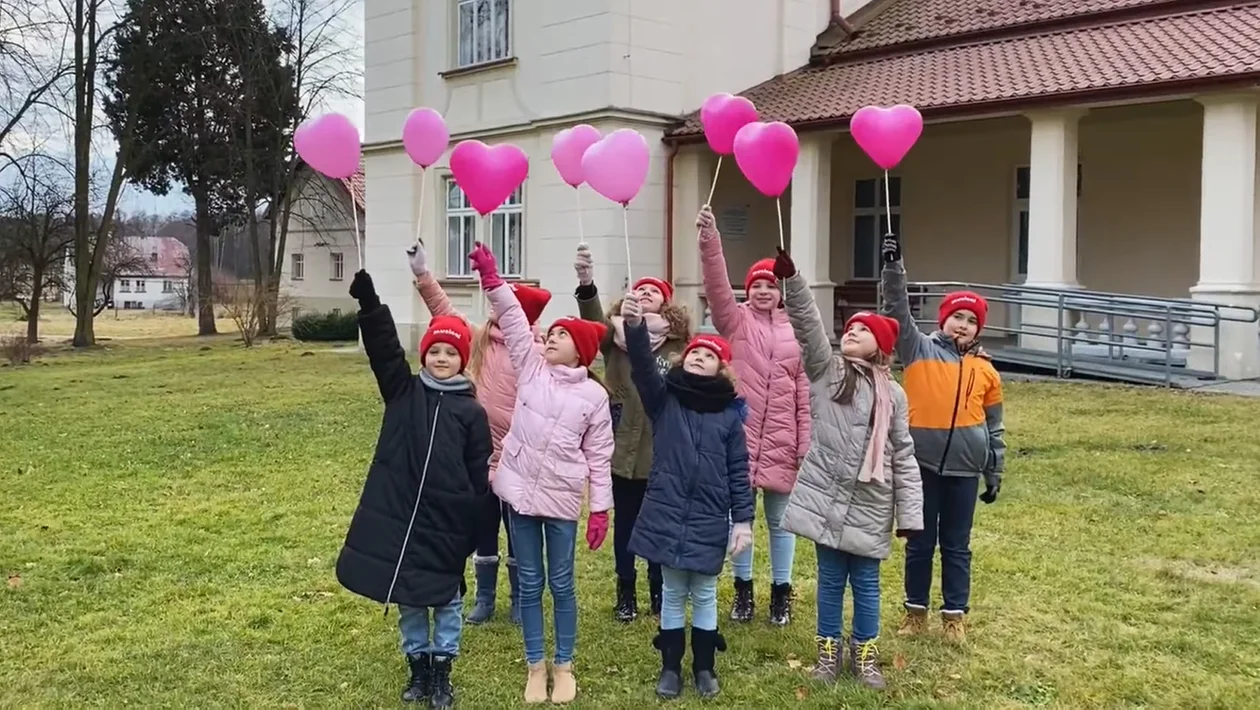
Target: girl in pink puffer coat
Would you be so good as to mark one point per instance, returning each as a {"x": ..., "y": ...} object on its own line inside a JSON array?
[
  {"x": 767, "y": 363},
  {"x": 490, "y": 369}
]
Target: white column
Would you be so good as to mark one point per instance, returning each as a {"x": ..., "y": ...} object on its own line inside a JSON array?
[
  {"x": 693, "y": 173},
  {"x": 809, "y": 239},
  {"x": 1052, "y": 169},
  {"x": 1227, "y": 232}
]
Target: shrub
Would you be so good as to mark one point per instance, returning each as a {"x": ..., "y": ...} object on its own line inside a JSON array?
[
  {"x": 17, "y": 351},
  {"x": 326, "y": 326}
]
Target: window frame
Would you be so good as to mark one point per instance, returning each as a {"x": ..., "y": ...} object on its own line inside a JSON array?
[
  {"x": 336, "y": 266},
  {"x": 124, "y": 285},
  {"x": 877, "y": 211},
  {"x": 472, "y": 228},
  {"x": 297, "y": 266},
  {"x": 493, "y": 55},
  {"x": 1021, "y": 210}
]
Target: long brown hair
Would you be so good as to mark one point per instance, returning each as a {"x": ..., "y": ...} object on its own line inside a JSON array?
[
  {"x": 675, "y": 314},
  {"x": 481, "y": 342},
  {"x": 848, "y": 385}
]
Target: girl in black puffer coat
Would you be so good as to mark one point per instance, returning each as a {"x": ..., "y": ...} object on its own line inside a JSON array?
[{"x": 426, "y": 492}]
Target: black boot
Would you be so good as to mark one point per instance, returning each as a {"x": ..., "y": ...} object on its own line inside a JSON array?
[
  {"x": 443, "y": 696},
  {"x": 672, "y": 644},
  {"x": 656, "y": 583},
  {"x": 743, "y": 609},
  {"x": 627, "y": 608},
  {"x": 704, "y": 646},
  {"x": 421, "y": 685},
  {"x": 780, "y": 604}
]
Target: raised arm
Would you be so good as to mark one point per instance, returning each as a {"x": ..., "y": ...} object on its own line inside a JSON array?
[
  {"x": 907, "y": 484},
  {"x": 743, "y": 504},
  {"x": 517, "y": 335},
  {"x": 597, "y": 446},
  {"x": 911, "y": 341},
  {"x": 587, "y": 295},
  {"x": 647, "y": 379},
  {"x": 717, "y": 280},
  {"x": 430, "y": 290},
  {"x": 806, "y": 321},
  {"x": 380, "y": 341}
]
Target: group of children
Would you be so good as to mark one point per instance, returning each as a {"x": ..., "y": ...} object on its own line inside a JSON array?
[{"x": 509, "y": 425}]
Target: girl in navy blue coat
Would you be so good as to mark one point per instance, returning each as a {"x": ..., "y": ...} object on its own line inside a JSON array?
[{"x": 698, "y": 487}]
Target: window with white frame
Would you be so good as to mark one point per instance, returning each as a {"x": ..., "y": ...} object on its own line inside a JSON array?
[
  {"x": 870, "y": 222},
  {"x": 482, "y": 31},
  {"x": 297, "y": 267},
  {"x": 124, "y": 285},
  {"x": 336, "y": 266},
  {"x": 140, "y": 285},
  {"x": 1023, "y": 182},
  {"x": 168, "y": 286},
  {"x": 464, "y": 227}
]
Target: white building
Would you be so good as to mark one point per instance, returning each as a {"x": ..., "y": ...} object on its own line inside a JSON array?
[
  {"x": 162, "y": 283},
  {"x": 321, "y": 254}
]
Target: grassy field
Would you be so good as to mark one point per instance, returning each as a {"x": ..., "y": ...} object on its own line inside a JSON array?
[
  {"x": 171, "y": 517},
  {"x": 56, "y": 324}
]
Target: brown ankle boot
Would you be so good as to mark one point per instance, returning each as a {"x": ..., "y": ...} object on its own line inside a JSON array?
[
  {"x": 829, "y": 656},
  {"x": 563, "y": 684},
  {"x": 536, "y": 683},
  {"x": 914, "y": 622},
  {"x": 864, "y": 664},
  {"x": 954, "y": 624}
]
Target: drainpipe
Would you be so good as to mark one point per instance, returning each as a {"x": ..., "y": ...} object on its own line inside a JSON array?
[
  {"x": 669, "y": 212},
  {"x": 837, "y": 18}
]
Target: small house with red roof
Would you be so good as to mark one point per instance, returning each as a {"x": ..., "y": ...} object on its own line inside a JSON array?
[{"x": 321, "y": 253}]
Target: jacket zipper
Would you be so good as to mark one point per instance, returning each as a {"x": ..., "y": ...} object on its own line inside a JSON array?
[
  {"x": 971, "y": 382},
  {"x": 953, "y": 418},
  {"x": 424, "y": 474}
]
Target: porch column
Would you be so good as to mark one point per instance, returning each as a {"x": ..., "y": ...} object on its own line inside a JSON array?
[
  {"x": 809, "y": 239},
  {"x": 693, "y": 173},
  {"x": 1052, "y": 175},
  {"x": 1227, "y": 232}
]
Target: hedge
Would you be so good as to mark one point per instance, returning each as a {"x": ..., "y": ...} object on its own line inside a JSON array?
[{"x": 326, "y": 326}]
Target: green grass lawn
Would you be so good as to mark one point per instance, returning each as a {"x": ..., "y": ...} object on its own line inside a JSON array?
[{"x": 170, "y": 518}]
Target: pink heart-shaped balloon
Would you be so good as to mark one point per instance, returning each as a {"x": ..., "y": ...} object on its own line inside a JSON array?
[
  {"x": 330, "y": 144},
  {"x": 722, "y": 115},
  {"x": 766, "y": 153},
  {"x": 488, "y": 175},
  {"x": 886, "y": 134},
  {"x": 425, "y": 136},
  {"x": 616, "y": 167},
  {"x": 567, "y": 149}
]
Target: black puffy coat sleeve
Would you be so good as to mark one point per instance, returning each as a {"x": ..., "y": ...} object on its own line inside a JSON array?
[{"x": 385, "y": 354}]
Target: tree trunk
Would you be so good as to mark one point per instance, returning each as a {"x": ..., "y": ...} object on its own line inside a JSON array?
[
  {"x": 37, "y": 296},
  {"x": 205, "y": 302},
  {"x": 84, "y": 281}
]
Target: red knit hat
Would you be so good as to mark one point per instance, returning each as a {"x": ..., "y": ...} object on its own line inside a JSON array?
[
  {"x": 585, "y": 334},
  {"x": 664, "y": 286},
  {"x": 453, "y": 331},
  {"x": 717, "y": 344},
  {"x": 963, "y": 300},
  {"x": 884, "y": 329},
  {"x": 533, "y": 300},
  {"x": 763, "y": 269}
]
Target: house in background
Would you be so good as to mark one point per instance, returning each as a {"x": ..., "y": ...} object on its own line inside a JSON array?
[
  {"x": 321, "y": 254},
  {"x": 153, "y": 274}
]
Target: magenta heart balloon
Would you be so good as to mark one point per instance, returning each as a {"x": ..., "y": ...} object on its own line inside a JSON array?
[
  {"x": 330, "y": 144},
  {"x": 567, "y": 149},
  {"x": 722, "y": 115},
  {"x": 488, "y": 175},
  {"x": 886, "y": 134},
  {"x": 616, "y": 167},
  {"x": 766, "y": 153},
  {"x": 425, "y": 136}
]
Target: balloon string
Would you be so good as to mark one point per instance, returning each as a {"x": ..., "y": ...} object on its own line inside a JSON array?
[
  {"x": 625, "y": 227},
  {"x": 778, "y": 207},
  {"x": 358, "y": 243},
  {"x": 577, "y": 193},
  {"x": 489, "y": 237},
  {"x": 420, "y": 210},
  {"x": 713, "y": 187},
  {"x": 887, "y": 205}
]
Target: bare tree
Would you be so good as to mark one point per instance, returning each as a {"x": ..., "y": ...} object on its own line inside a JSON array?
[
  {"x": 36, "y": 229},
  {"x": 32, "y": 66},
  {"x": 119, "y": 258}
]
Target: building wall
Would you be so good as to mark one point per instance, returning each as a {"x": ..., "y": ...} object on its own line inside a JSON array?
[
  {"x": 154, "y": 295},
  {"x": 320, "y": 226}
]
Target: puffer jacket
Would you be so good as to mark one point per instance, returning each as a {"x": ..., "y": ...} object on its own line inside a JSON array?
[
  {"x": 496, "y": 380},
  {"x": 561, "y": 439},
  {"x": 767, "y": 362},
  {"x": 829, "y": 505},
  {"x": 633, "y": 457},
  {"x": 955, "y": 397}
]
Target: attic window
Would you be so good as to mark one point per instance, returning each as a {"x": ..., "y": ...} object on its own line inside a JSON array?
[{"x": 153, "y": 257}]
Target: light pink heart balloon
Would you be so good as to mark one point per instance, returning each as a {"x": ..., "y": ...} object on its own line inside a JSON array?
[
  {"x": 766, "y": 153},
  {"x": 488, "y": 175},
  {"x": 722, "y": 115},
  {"x": 616, "y": 167},
  {"x": 886, "y": 134},
  {"x": 425, "y": 136},
  {"x": 567, "y": 149},
  {"x": 330, "y": 144}
]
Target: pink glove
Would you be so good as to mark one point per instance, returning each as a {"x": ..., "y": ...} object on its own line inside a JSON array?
[
  {"x": 596, "y": 529},
  {"x": 484, "y": 264}
]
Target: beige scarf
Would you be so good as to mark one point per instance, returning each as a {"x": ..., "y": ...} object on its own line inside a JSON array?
[
  {"x": 881, "y": 378},
  {"x": 658, "y": 329}
]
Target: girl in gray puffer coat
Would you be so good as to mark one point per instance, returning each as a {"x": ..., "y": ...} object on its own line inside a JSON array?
[{"x": 860, "y": 479}]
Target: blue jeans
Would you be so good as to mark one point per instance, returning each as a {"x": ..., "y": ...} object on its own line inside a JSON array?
[
  {"x": 531, "y": 538},
  {"x": 677, "y": 586},
  {"x": 835, "y": 569},
  {"x": 447, "y": 626},
  {"x": 782, "y": 543},
  {"x": 949, "y": 506}
]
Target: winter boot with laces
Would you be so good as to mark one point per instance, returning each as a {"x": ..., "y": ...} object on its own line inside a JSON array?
[
  {"x": 744, "y": 608},
  {"x": 627, "y": 608},
  {"x": 780, "y": 604},
  {"x": 864, "y": 664},
  {"x": 420, "y": 686},
  {"x": 914, "y": 622},
  {"x": 954, "y": 624},
  {"x": 829, "y": 656},
  {"x": 487, "y": 573},
  {"x": 672, "y": 643},
  {"x": 704, "y": 648},
  {"x": 443, "y": 693}
]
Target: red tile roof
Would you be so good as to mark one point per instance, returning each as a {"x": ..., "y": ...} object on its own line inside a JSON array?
[
  {"x": 356, "y": 185},
  {"x": 170, "y": 254},
  {"x": 1171, "y": 54}
]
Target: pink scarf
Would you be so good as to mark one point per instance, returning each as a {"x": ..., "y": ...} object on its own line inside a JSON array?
[
  {"x": 658, "y": 329},
  {"x": 873, "y": 462}
]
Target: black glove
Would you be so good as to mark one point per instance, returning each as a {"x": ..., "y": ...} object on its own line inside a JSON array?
[
  {"x": 784, "y": 268},
  {"x": 890, "y": 247},
  {"x": 992, "y": 486},
  {"x": 362, "y": 290}
]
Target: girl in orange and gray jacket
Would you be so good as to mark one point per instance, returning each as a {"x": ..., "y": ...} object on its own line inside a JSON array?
[{"x": 955, "y": 397}]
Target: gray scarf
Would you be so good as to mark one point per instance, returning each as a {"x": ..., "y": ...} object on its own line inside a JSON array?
[{"x": 458, "y": 383}]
